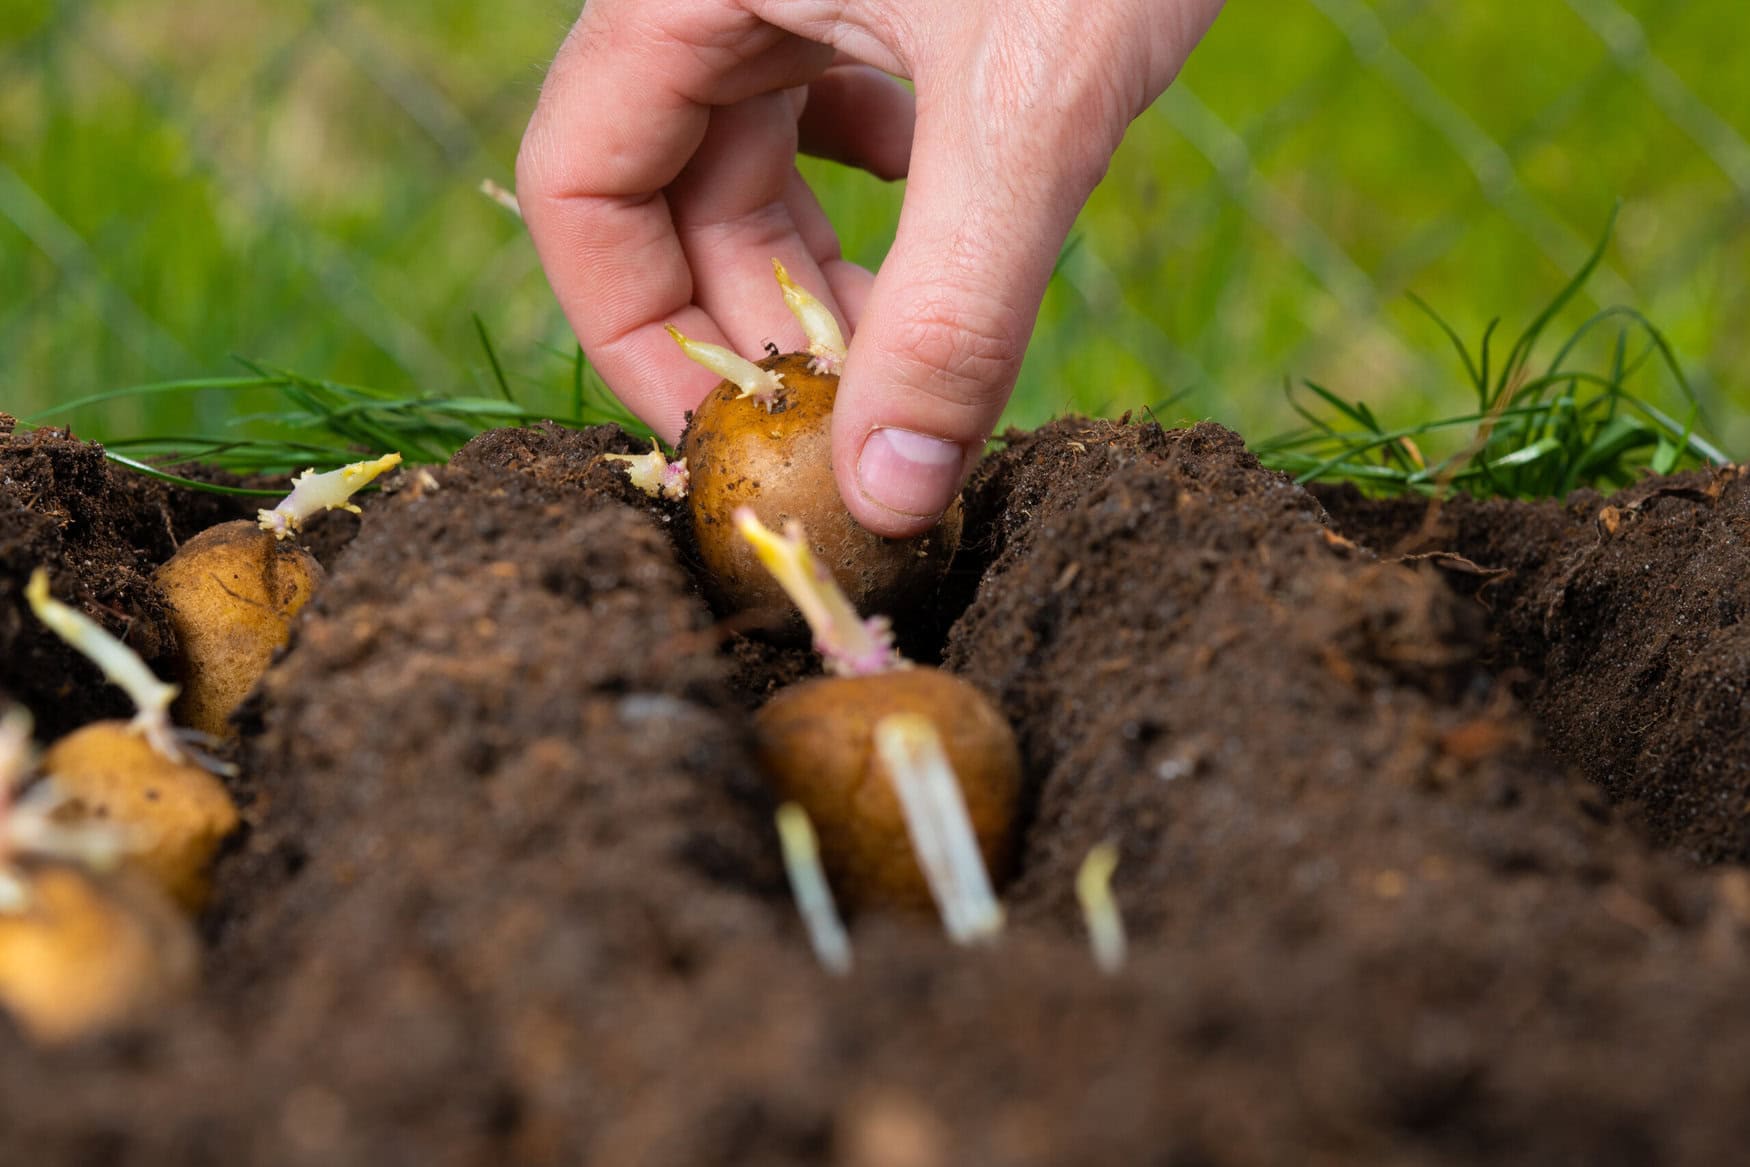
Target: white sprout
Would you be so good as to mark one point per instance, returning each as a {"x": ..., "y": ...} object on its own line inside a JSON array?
[
  {"x": 313, "y": 492},
  {"x": 500, "y": 195},
  {"x": 1099, "y": 909},
  {"x": 826, "y": 932},
  {"x": 654, "y": 474},
  {"x": 941, "y": 831},
  {"x": 119, "y": 663},
  {"x": 826, "y": 343},
  {"x": 760, "y": 384},
  {"x": 849, "y": 645}
]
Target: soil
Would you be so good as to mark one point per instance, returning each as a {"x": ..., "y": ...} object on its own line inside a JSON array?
[
  {"x": 509, "y": 891},
  {"x": 1627, "y": 616}
]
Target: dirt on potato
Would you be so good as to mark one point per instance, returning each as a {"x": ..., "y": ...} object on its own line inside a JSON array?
[{"x": 509, "y": 891}]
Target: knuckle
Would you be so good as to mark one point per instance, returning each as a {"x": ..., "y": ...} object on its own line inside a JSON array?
[{"x": 1074, "y": 101}]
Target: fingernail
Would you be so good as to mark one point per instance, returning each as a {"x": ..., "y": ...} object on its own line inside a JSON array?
[{"x": 908, "y": 472}]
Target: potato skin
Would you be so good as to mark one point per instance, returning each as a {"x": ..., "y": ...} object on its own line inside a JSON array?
[
  {"x": 180, "y": 811},
  {"x": 780, "y": 464},
  {"x": 816, "y": 741},
  {"x": 90, "y": 952},
  {"x": 233, "y": 590}
]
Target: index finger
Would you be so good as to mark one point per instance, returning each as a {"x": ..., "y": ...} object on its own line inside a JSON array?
[{"x": 625, "y": 106}]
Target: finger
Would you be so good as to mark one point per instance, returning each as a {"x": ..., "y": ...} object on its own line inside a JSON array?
[
  {"x": 625, "y": 106},
  {"x": 850, "y": 284},
  {"x": 946, "y": 323},
  {"x": 847, "y": 283},
  {"x": 811, "y": 220},
  {"x": 733, "y": 214},
  {"x": 861, "y": 117}
]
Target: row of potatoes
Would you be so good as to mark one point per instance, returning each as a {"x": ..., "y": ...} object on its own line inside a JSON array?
[
  {"x": 107, "y": 838},
  {"x": 907, "y": 778}
]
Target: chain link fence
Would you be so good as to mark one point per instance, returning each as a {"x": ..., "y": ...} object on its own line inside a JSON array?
[{"x": 296, "y": 183}]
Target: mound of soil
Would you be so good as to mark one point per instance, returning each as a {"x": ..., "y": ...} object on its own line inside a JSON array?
[
  {"x": 510, "y": 893},
  {"x": 1628, "y": 616}
]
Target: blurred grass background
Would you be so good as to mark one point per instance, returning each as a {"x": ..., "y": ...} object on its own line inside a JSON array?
[{"x": 295, "y": 182}]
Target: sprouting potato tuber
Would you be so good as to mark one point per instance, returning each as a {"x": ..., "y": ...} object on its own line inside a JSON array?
[
  {"x": 816, "y": 741},
  {"x": 234, "y": 590},
  {"x": 176, "y": 813},
  {"x": 86, "y": 953},
  {"x": 763, "y": 439},
  {"x": 820, "y": 744},
  {"x": 79, "y": 950},
  {"x": 136, "y": 775}
]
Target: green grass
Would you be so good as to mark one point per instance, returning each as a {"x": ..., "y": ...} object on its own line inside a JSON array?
[
  {"x": 1533, "y": 433},
  {"x": 296, "y": 184},
  {"x": 324, "y": 423}
]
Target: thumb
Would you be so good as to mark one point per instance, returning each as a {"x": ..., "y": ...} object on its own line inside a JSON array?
[{"x": 941, "y": 337}]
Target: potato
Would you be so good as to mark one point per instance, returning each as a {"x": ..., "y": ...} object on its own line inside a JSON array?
[
  {"x": 780, "y": 464},
  {"x": 87, "y": 953},
  {"x": 763, "y": 439},
  {"x": 233, "y": 591},
  {"x": 815, "y": 741},
  {"x": 235, "y": 588},
  {"x": 176, "y": 813}
]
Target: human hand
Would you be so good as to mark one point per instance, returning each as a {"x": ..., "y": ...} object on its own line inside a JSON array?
[{"x": 658, "y": 178}]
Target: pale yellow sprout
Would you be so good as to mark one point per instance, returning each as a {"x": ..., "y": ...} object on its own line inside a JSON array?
[
  {"x": 503, "y": 197},
  {"x": 820, "y": 916},
  {"x": 313, "y": 492},
  {"x": 826, "y": 343},
  {"x": 1100, "y": 909},
  {"x": 848, "y": 644},
  {"x": 119, "y": 663},
  {"x": 653, "y": 473},
  {"x": 760, "y": 384}
]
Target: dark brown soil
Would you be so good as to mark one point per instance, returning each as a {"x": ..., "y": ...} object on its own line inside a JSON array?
[
  {"x": 510, "y": 893},
  {"x": 1628, "y": 616},
  {"x": 100, "y": 535},
  {"x": 100, "y": 532}
]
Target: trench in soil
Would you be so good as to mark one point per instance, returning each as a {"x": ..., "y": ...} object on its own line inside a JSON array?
[{"x": 1407, "y": 844}]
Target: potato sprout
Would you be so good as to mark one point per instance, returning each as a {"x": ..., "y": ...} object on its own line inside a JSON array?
[
  {"x": 941, "y": 831},
  {"x": 119, "y": 663},
  {"x": 910, "y": 775},
  {"x": 820, "y": 916},
  {"x": 826, "y": 343},
  {"x": 773, "y": 454},
  {"x": 850, "y": 645},
  {"x": 1100, "y": 909},
  {"x": 653, "y": 473},
  {"x": 136, "y": 773},
  {"x": 760, "y": 384},
  {"x": 313, "y": 492}
]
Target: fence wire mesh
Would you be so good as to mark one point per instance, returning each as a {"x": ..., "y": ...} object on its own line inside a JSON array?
[{"x": 295, "y": 182}]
